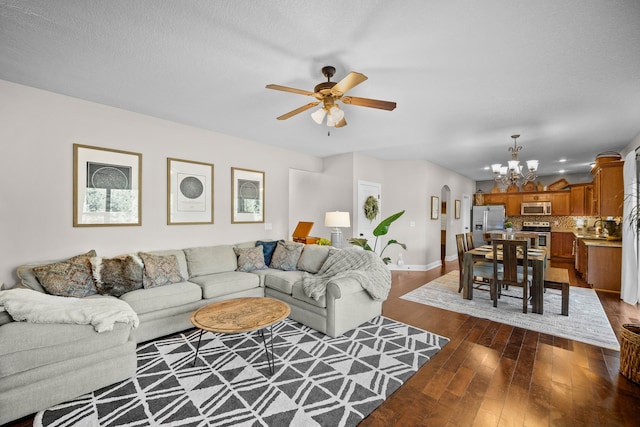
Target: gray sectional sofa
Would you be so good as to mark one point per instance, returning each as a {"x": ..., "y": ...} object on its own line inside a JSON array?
[{"x": 45, "y": 364}]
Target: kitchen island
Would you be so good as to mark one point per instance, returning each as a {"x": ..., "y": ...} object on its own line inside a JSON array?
[{"x": 599, "y": 261}]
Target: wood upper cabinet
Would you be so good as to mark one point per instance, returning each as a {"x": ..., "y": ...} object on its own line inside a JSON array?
[
  {"x": 608, "y": 189},
  {"x": 561, "y": 203},
  {"x": 582, "y": 199},
  {"x": 536, "y": 197},
  {"x": 511, "y": 202}
]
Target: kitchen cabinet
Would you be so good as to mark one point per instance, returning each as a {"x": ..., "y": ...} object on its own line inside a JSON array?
[
  {"x": 510, "y": 201},
  {"x": 537, "y": 197},
  {"x": 561, "y": 203},
  {"x": 562, "y": 244},
  {"x": 581, "y": 203},
  {"x": 608, "y": 189},
  {"x": 604, "y": 266},
  {"x": 580, "y": 262}
]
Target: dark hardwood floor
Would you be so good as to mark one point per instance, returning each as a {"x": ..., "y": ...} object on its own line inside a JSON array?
[{"x": 492, "y": 374}]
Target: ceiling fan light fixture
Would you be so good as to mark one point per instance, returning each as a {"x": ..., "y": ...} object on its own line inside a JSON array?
[{"x": 318, "y": 115}]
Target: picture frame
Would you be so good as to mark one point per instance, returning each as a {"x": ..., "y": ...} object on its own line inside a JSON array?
[
  {"x": 107, "y": 187},
  {"x": 456, "y": 209},
  {"x": 435, "y": 207},
  {"x": 189, "y": 192},
  {"x": 247, "y": 196}
]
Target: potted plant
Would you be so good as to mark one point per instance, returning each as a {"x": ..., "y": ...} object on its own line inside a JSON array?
[
  {"x": 508, "y": 225},
  {"x": 381, "y": 230}
]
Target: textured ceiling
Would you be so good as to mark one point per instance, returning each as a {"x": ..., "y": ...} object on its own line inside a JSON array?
[{"x": 465, "y": 74}]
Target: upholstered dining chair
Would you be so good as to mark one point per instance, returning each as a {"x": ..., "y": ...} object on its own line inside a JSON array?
[{"x": 511, "y": 270}]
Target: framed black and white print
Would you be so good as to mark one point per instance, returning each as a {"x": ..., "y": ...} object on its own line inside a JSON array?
[
  {"x": 189, "y": 192},
  {"x": 247, "y": 196},
  {"x": 107, "y": 187}
]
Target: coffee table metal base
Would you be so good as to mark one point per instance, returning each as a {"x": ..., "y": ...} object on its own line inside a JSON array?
[{"x": 268, "y": 350}]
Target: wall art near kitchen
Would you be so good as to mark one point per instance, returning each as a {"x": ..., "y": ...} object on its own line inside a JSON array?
[
  {"x": 435, "y": 207},
  {"x": 189, "y": 192},
  {"x": 247, "y": 196},
  {"x": 107, "y": 187},
  {"x": 456, "y": 210}
]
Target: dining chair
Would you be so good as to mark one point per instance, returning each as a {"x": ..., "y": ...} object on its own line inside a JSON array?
[
  {"x": 482, "y": 271},
  {"x": 512, "y": 256},
  {"x": 469, "y": 239}
]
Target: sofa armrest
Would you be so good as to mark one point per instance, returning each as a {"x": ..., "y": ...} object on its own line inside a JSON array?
[{"x": 342, "y": 287}]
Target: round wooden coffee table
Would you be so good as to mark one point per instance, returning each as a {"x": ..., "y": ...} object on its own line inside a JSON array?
[{"x": 242, "y": 315}]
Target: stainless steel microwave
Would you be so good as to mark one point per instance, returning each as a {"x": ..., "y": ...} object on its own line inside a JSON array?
[{"x": 535, "y": 208}]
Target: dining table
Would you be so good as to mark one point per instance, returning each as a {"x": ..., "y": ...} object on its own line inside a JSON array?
[{"x": 537, "y": 260}]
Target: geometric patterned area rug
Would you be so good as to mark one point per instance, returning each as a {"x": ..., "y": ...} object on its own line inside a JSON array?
[
  {"x": 318, "y": 380},
  {"x": 587, "y": 322}
]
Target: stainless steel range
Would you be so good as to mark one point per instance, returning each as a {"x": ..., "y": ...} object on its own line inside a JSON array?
[{"x": 543, "y": 229}]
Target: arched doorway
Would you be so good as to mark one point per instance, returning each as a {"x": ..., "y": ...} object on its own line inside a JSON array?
[{"x": 445, "y": 195}]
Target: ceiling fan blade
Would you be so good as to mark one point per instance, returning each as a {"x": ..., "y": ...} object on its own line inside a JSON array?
[
  {"x": 372, "y": 103},
  {"x": 289, "y": 89},
  {"x": 341, "y": 123},
  {"x": 297, "y": 111},
  {"x": 352, "y": 80}
]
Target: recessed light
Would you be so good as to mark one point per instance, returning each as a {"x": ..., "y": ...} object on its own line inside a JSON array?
[
  {"x": 562, "y": 160},
  {"x": 561, "y": 171},
  {"x": 487, "y": 168}
]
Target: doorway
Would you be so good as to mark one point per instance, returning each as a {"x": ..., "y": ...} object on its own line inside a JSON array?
[
  {"x": 365, "y": 226},
  {"x": 445, "y": 195}
]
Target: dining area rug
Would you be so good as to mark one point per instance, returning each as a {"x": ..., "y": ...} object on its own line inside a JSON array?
[
  {"x": 318, "y": 380},
  {"x": 587, "y": 322}
]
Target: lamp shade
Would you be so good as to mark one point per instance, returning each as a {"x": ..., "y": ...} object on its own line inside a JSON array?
[{"x": 337, "y": 219}]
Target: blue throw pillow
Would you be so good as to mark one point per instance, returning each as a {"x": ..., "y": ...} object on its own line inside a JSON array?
[{"x": 268, "y": 248}]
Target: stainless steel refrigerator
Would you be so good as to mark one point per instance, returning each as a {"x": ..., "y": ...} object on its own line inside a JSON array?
[{"x": 485, "y": 219}]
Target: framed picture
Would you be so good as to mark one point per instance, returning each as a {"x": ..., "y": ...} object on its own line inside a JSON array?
[
  {"x": 456, "y": 209},
  {"x": 107, "y": 187},
  {"x": 435, "y": 207},
  {"x": 189, "y": 192},
  {"x": 247, "y": 196}
]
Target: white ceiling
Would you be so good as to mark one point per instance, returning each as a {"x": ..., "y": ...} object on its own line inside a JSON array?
[{"x": 565, "y": 74}]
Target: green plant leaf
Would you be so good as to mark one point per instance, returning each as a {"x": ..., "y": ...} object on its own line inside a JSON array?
[
  {"x": 383, "y": 227},
  {"x": 362, "y": 243}
]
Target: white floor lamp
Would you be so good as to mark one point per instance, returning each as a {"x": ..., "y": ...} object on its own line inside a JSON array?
[{"x": 337, "y": 220}]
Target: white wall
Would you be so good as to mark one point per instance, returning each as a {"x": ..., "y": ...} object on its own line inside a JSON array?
[{"x": 37, "y": 133}]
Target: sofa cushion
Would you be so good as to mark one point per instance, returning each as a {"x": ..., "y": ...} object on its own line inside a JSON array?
[
  {"x": 268, "y": 247},
  {"x": 250, "y": 259},
  {"x": 36, "y": 344},
  {"x": 286, "y": 255},
  {"x": 160, "y": 270},
  {"x": 283, "y": 280},
  {"x": 161, "y": 297},
  {"x": 210, "y": 259},
  {"x": 117, "y": 276},
  {"x": 219, "y": 284},
  {"x": 312, "y": 257},
  {"x": 69, "y": 278},
  {"x": 298, "y": 293}
]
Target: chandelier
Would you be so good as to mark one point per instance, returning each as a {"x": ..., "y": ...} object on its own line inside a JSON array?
[{"x": 513, "y": 173}]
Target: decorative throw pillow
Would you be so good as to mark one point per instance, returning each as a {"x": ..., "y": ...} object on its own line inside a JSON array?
[
  {"x": 286, "y": 255},
  {"x": 160, "y": 270},
  {"x": 117, "y": 276},
  {"x": 268, "y": 248},
  {"x": 70, "y": 278},
  {"x": 250, "y": 259}
]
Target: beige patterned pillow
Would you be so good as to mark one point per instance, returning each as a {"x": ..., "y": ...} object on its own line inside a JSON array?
[
  {"x": 70, "y": 278},
  {"x": 117, "y": 276},
  {"x": 286, "y": 255},
  {"x": 250, "y": 259},
  {"x": 160, "y": 270}
]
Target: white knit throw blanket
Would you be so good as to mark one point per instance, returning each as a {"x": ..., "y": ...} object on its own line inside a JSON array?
[
  {"x": 37, "y": 307},
  {"x": 364, "y": 266}
]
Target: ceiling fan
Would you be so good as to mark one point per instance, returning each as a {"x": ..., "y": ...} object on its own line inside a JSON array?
[{"x": 328, "y": 93}]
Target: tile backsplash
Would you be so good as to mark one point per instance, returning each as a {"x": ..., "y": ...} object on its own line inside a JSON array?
[{"x": 558, "y": 223}]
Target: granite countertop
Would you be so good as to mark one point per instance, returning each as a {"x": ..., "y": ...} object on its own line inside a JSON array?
[{"x": 604, "y": 243}]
